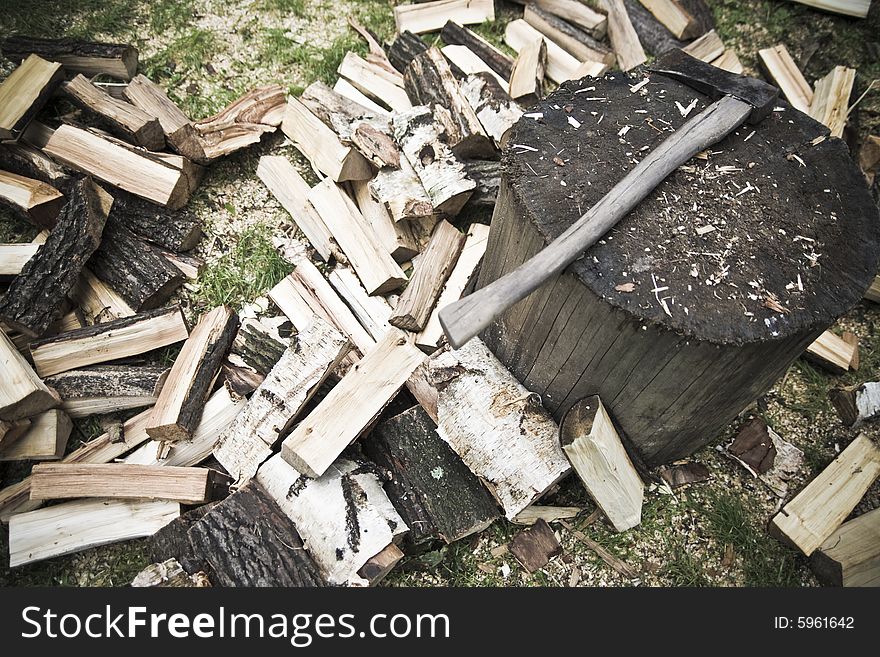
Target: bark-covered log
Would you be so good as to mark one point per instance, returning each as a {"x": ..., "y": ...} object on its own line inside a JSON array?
[
  {"x": 256, "y": 349},
  {"x": 86, "y": 57},
  {"x": 108, "y": 389},
  {"x": 344, "y": 517},
  {"x": 248, "y": 541},
  {"x": 487, "y": 176},
  {"x": 652, "y": 33},
  {"x": 456, "y": 35},
  {"x": 429, "y": 81},
  {"x": 405, "y": 47},
  {"x": 442, "y": 174},
  {"x": 135, "y": 269},
  {"x": 673, "y": 365},
  {"x": 172, "y": 541},
  {"x": 36, "y": 297},
  {"x": 179, "y": 408},
  {"x": 27, "y": 161},
  {"x": 434, "y": 492},
  {"x": 572, "y": 39}
]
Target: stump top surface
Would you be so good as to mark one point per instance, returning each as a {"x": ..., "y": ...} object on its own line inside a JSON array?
[{"x": 766, "y": 235}]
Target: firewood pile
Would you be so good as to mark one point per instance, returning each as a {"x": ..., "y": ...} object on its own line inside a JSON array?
[{"x": 264, "y": 436}]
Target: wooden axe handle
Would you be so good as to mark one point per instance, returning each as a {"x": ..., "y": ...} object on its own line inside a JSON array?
[{"x": 465, "y": 318}]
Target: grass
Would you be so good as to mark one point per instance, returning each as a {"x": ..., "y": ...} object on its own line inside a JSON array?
[
  {"x": 683, "y": 568},
  {"x": 765, "y": 561},
  {"x": 251, "y": 268}
]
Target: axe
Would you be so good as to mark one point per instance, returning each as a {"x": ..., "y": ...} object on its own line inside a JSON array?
[{"x": 740, "y": 99}]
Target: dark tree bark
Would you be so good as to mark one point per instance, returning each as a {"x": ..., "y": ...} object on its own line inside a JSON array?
[
  {"x": 654, "y": 36},
  {"x": 432, "y": 490},
  {"x": 176, "y": 231},
  {"x": 36, "y": 298},
  {"x": 248, "y": 541},
  {"x": 172, "y": 541},
  {"x": 90, "y": 58},
  {"x": 454, "y": 34},
  {"x": 136, "y": 270},
  {"x": 404, "y": 49}
]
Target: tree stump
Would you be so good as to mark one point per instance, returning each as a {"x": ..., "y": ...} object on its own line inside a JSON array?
[{"x": 695, "y": 303}]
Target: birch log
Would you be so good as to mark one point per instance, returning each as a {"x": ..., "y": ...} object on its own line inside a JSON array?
[
  {"x": 494, "y": 107},
  {"x": 277, "y": 402},
  {"x": 496, "y": 426},
  {"x": 343, "y": 517},
  {"x": 442, "y": 174}
]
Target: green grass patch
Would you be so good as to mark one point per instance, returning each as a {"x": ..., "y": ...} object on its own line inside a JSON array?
[
  {"x": 765, "y": 561},
  {"x": 250, "y": 269},
  {"x": 170, "y": 14},
  {"x": 295, "y": 7},
  {"x": 683, "y": 569}
]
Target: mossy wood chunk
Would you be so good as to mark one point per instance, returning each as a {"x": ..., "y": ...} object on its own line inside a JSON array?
[
  {"x": 434, "y": 492},
  {"x": 248, "y": 541},
  {"x": 700, "y": 298}
]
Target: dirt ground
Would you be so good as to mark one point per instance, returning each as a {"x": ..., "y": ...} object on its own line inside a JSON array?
[{"x": 207, "y": 52}]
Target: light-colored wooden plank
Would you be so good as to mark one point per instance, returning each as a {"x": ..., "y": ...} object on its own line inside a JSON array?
[
  {"x": 674, "y": 17},
  {"x": 469, "y": 62},
  {"x": 468, "y": 262},
  {"x": 352, "y": 406},
  {"x": 571, "y": 39},
  {"x": 396, "y": 236},
  {"x": 22, "y": 394},
  {"x": 782, "y": 70},
  {"x": 435, "y": 265},
  {"x": 431, "y": 16},
  {"x": 375, "y": 81},
  {"x": 45, "y": 439},
  {"x": 707, "y": 47},
  {"x": 98, "y": 301},
  {"x": 321, "y": 147},
  {"x": 24, "y": 92},
  {"x": 74, "y": 526},
  {"x": 292, "y": 192},
  {"x": 817, "y": 511},
  {"x": 560, "y": 65},
  {"x": 851, "y": 555},
  {"x": 110, "y": 341},
  {"x": 58, "y": 481},
  {"x": 831, "y": 99},
  {"x": 371, "y": 312},
  {"x": 594, "y": 448},
  {"x": 729, "y": 61},
  {"x": 14, "y": 256},
  {"x": 623, "y": 36},
  {"x": 873, "y": 292},
  {"x": 372, "y": 263},
  {"x": 832, "y": 351},
  {"x": 527, "y": 76},
  {"x": 145, "y": 174},
  {"x": 577, "y": 13},
  {"x": 345, "y": 88},
  {"x": 39, "y": 201},
  {"x": 857, "y": 8}
]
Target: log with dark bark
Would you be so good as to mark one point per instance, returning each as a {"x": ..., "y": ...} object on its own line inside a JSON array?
[
  {"x": 135, "y": 269},
  {"x": 454, "y": 34},
  {"x": 172, "y": 541},
  {"x": 487, "y": 176},
  {"x": 108, "y": 389},
  {"x": 256, "y": 349},
  {"x": 405, "y": 47},
  {"x": 248, "y": 541},
  {"x": 652, "y": 33},
  {"x": 86, "y": 57},
  {"x": 35, "y": 299},
  {"x": 27, "y": 161},
  {"x": 572, "y": 39},
  {"x": 176, "y": 231},
  {"x": 674, "y": 368},
  {"x": 117, "y": 116},
  {"x": 179, "y": 407},
  {"x": 434, "y": 492},
  {"x": 429, "y": 81},
  {"x": 535, "y": 546}
]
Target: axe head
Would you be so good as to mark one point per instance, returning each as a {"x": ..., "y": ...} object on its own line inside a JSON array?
[{"x": 716, "y": 82}]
